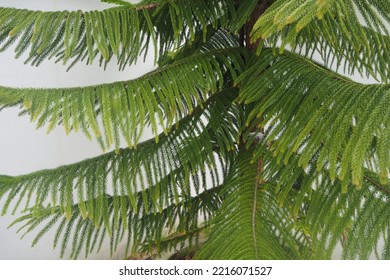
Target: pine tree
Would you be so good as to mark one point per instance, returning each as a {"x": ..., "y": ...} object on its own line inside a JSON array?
[{"x": 259, "y": 151}]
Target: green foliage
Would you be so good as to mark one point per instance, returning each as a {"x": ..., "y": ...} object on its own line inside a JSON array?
[
  {"x": 148, "y": 181},
  {"x": 327, "y": 214},
  {"x": 345, "y": 123},
  {"x": 117, "y": 2},
  {"x": 122, "y": 32},
  {"x": 334, "y": 30},
  {"x": 159, "y": 98},
  {"x": 249, "y": 223},
  {"x": 267, "y": 155},
  {"x": 135, "y": 229}
]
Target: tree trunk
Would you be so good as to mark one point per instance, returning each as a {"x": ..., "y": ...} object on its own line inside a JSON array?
[{"x": 261, "y": 7}]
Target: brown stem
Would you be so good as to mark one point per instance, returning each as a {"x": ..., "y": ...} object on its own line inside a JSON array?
[
  {"x": 148, "y": 7},
  {"x": 252, "y": 47},
  {"x": 261, "y": 7},
  {"x": 376, "y": 184}
]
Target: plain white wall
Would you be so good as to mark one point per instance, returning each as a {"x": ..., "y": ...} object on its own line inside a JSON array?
[{"x": 24, "y": 149}]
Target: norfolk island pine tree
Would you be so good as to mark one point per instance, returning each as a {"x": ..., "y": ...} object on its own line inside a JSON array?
[{"x": 259, "y": 151}]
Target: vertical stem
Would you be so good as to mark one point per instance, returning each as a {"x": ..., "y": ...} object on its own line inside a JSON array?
[
  {"x": 258, "y": 183},
  {"x": 252, "y": 47},
  {"x": 260, "y": 8}
]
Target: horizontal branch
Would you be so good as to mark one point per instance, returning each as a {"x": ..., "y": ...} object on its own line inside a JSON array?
[
  {"x": 107, "y": 111},
  {"x": 148, "y": 7}
]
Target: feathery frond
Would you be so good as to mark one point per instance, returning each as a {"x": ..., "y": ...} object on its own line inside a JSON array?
[
  {"x": 160, "y": 99},
  {"x": 138, "y": 229},
  {"x": 123, "y": 32},
  {"x": 354, "y": 220},
  {"x": 310, "y": 110},
  {"x": 170, "y": 164},
  {"x": 324, "y": 214},
  {"x": 145, "y": 181},
  {"x": 265, "y": 155},
  {"x": 334, "y": 29},
  {"x": 249, "y": 224}
]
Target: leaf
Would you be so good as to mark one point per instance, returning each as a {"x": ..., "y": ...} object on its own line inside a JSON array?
[
  {"x": 75, "y": 36},
  {"x": 312, "y": 111},
  {"x": 348, "y": 33},
  {"x": 249, "y": 224},
  {"x": 169, "y": 165},
  {"x": 150, "y": 98}
]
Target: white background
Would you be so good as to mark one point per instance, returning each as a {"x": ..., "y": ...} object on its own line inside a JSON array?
[
  {"x": 281, "y": 270},
  {"x": 24, "y": 149}
]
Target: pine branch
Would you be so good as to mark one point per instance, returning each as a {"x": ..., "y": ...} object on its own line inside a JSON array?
[
  {"x": 149, "y": 7},
  {"x": 122, "y": 32},
  {"x": 333, "y": 29},
  {"x": 143, "y": 5},
  {"x": 270, "y": 156},
  {"x": 98, "y": 214},
  {"x": 231, "y": 235},
  {"x": 324, "y": 211},
  {"x": 170, "y": 164},
  {"x": 356, "y": 217},
  {"x": 144, "y": 231},
  {"x": 315, "y": 111},
  {"x": 159, "y": 98}
]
